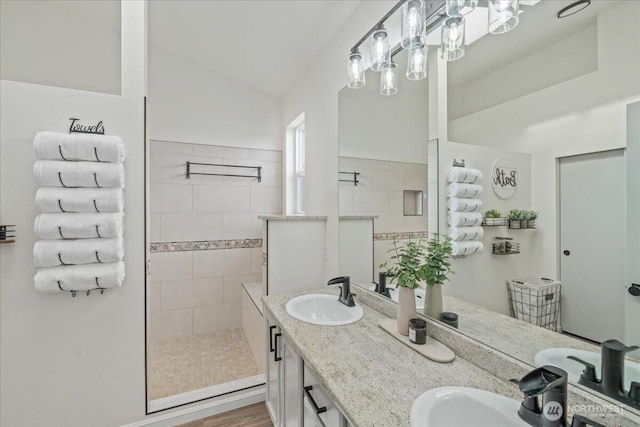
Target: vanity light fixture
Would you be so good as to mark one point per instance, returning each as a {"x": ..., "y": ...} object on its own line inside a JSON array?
[
  {"x": 503, "y": 15},
  {"x": 412, "y": 24},
  {"x": 418, "y": 18},
  {"x": 355, "y": 70},
  {"x": 459, "y": 8},
  {"x": 417, "y": 63},
  {"x": 452, "y": 39},
  {"x": 380, "y": 49},
  {"x": 389, "y": 80},
  {"x": 573, "y": 8}
]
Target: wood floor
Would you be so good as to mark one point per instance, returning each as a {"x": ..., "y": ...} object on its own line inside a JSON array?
[{"x": 255, "y": 415}]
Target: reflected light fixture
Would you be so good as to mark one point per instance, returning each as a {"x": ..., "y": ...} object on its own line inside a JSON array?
[
  {"x": 412, "y": 24},
  {"x": 573, "y": 8},
  {"x": 389, "y": 80},
  {"x": 355, "y": 70},
  {"x": 503, "y": 15},
  {"x": 459, "y": 8},
  {"x": 417, "y": 63},
  {"x": 452, "y": 39},
  {"x": 380, "y": 49}
]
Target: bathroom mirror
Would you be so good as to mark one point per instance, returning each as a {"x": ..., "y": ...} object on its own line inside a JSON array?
[{"x": 556, "y": 90}]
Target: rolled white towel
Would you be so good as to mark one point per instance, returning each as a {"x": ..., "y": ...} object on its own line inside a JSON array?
[
  {"x": 79, "y": 277},
  {"x": 54, "y": 226},
  {"x": 466, "y": 248},
  {"x": 464, "y": 219},
  {"x": 52, "y": 173},
  {"x": 53, "y": 253},
  {"x": 466, "y": 233},
  {"x": 456, "y": 204},
  {"x": 64, "y": 146},
  {"x": 470, "y": 176},
  {"x": 468, "y": 191},
  {"x": 52, "y": 199}
]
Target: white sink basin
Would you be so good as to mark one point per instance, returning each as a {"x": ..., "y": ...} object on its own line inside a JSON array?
[
  {"x": 558, "y": 357},
  {"x": 324, "y": 310},
  {"x": 464, "y": 407}
]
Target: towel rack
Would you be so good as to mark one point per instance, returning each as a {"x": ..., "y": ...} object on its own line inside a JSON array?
[
  {"x": 257, "y": 168},
  {"x": 458, "y": 164},
  {"x": 354, "y": 180}
]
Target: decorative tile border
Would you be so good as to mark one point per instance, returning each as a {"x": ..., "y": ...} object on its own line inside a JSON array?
[
  {"x": 205, "y": 245},
  {"x": 404, "y": 235}
]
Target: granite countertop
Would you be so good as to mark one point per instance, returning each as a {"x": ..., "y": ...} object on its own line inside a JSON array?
[
  {"x": 518, "y": 339},
  {"x": 293, "y": 217},
  {"x": 372, "y": 377}
]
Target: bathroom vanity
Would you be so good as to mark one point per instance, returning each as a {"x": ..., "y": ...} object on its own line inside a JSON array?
[{"x": 365, "y": 377}]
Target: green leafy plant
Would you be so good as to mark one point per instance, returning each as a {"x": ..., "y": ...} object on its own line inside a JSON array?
[
  {"x": 421, "y": 261},
  {"x": 517, "y": 215},
  {"x": 493, "y": 213},
  {"x": 531, "y": 215}
]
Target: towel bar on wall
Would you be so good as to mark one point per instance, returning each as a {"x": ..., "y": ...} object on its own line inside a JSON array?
[
  {"x": 355, "y": 179},
  {"x": 257, "y": 168}
]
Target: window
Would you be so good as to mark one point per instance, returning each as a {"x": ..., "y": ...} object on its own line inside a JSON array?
[{"x": 299, "y": 166}]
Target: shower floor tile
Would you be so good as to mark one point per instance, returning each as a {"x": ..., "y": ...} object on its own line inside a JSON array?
[{"x": 192, "y": 363}]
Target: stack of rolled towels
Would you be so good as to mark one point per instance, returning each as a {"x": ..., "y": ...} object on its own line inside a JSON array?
[
  {"x": 465, "y": 207},
  {"x": 81, "y": 200}
]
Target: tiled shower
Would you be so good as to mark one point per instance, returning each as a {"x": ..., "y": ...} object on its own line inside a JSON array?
[{"x": 206, "y": 241}]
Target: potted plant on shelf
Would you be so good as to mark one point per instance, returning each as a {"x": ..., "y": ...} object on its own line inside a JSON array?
[
  {"x": 415, "y": 263},
  {"x": 531, "y": 217},
  {"x": 493, "y": 217},
  {"x": 517, "y": 218}
]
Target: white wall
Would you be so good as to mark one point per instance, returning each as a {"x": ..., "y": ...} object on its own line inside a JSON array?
[
  {"x": 632, "y": 304},
  {"x": 188, "y": 103},
  {"x": 390, "y": 128},
  {"x": 51, "y": 51},
  {"x": 316, "y": 94},
  {"x": 481, "y": 278},
  {"x": 72, "y": 361}
]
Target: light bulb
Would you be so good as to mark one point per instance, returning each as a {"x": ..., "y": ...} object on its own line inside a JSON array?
[
  {"x": 412, "y": 27},
  {"x": 417, "y": 63},
  {"x": 452, "y": 42},
  {"x": 503, "y": 15},
  {"x": 389, "y": 81},
  {"x": 459, "y": 8},
  {"x": 355, "y": 70},
  {"x": 380, "y": 50}
]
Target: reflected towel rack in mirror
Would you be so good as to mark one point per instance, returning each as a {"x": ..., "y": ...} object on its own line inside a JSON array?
[{"x": 257, "y": 168}]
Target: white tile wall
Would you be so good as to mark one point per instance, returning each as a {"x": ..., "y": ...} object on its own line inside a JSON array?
[
  {"x": 379, "y": 191},
  {"x": 200, "y": 292}
]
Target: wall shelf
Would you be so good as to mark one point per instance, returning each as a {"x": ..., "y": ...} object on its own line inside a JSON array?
[{"x": 505, "y": 246}]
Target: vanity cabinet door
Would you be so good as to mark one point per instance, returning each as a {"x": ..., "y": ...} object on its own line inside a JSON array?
[
  {"x": 274, "y": 371},
  {"x": 292, "y": 386}
]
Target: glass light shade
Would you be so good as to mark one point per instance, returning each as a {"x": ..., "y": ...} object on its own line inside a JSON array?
[
  {"x": 417, "y": 63},
  {"x": 413, "y": 19},
  {"x": 452, "y": 46},
  {"x": 459, "y": 8},
  {"x": 355, "y": 70},
  {"x": 503, "y": 15},
  {"x": 389, "y": 80},
  {"x": 380, "y": 50}
]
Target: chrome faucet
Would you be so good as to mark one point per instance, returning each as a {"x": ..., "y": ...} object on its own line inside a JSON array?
[
  {"x": 346, "y": 297},
  {"x": 611, "y": 382},
  {"x": 550, "y": 383}
]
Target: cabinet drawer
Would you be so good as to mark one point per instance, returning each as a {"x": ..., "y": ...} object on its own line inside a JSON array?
[{"x": 319, "y": 409}]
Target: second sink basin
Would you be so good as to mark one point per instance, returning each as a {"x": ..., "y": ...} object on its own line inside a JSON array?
[
  {"x": 464, "y": 407},
  {"x": 558, "y": 357},
  {"x": 321, "y": 309}
]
